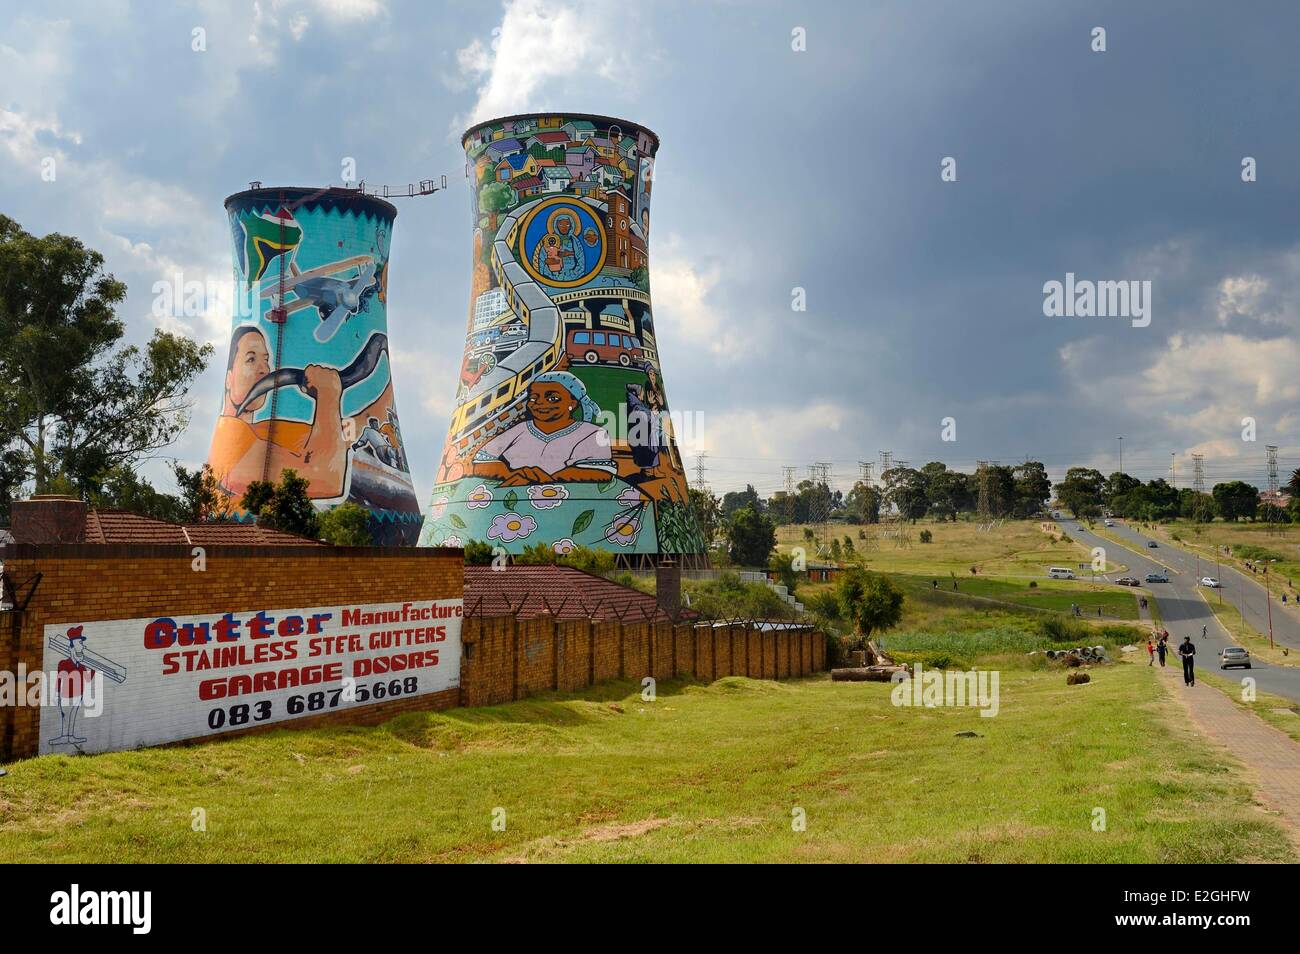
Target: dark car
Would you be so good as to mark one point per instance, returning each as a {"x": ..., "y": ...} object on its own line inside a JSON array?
[
  {"x": 1128, "y": 581},
  {"x": 1152, "y": 544}
]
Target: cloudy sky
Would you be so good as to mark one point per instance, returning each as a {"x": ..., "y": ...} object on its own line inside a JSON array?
[{"x": 780, "y": 168}]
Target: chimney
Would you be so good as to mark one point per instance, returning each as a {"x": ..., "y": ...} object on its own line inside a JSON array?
[
  {"x": 668, "y": 586},
  {"x": 48, "y": 518}
]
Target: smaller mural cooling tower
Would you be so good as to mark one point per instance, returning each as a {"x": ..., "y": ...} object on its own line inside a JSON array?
[
  {"x": 561, "y": 434},
  {"x": 308, "y": 383}
]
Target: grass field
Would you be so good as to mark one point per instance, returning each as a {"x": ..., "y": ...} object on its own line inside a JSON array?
[
  {"x": 1015, "y": 548},
  {"x": 705, "y": 773},
  {"x": 1006, "y": 560}
]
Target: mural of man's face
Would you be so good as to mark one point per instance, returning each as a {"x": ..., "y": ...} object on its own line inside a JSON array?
[
  {"x": 549, "y": 402},
  {"x": 252, "y": 361},
  {"x": 78, "y": 647},
  {"x": 564, "y": 225}
]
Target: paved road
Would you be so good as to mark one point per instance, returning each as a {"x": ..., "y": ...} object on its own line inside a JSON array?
[{"x": 1184, "y": 613}]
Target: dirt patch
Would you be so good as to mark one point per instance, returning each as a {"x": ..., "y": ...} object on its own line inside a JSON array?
[{"x": 599, "y": 834}]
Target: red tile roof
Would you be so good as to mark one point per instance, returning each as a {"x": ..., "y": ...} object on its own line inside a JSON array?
[
  {"x": 571, "y": 593},
  {"x": 122, "y": 526}
]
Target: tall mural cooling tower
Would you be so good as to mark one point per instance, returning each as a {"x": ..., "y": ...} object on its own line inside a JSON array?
[
  {"x": 308, "y": 382},
  {"x": 561, "y": 433}
]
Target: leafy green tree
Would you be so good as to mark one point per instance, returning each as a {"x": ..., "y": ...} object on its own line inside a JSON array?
[
  {"x": 71, "y": 400},
  {"x": 285, "y": 506},
  {"x": 1236, "y": 500},
  {"x": 905, "y": 491},
  {"x": 708, "y": 513},
  {"x": 1117, "y": 485},
  {"x": 202, "y": 500},
  {"x": 1032, "y": 487},
  {"x": 863, "y": 503},
  {"x": 346, "y": 525},
  {"x": 782, "y": 564},
  {"x": 870, "y": 601},
  {"x": 124, "y": 489},
  {"x": 750, "y": 537},
  {"x": 478, "y": 553},
  {"x": 735, "y": 499},
  {"x": 1081, "y": 491},
  {"x": 1293, "y": 485}
]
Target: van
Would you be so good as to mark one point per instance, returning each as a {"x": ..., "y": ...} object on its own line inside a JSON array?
[{"x": 1060, "y": 573}]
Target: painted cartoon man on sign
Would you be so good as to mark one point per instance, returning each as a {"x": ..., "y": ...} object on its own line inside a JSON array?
[{"x": 70, "y": 686}]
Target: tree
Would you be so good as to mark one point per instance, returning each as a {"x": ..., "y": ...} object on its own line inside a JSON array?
[
  {"x": 478, "y": 553},
  {"x": 1081, "y": 491},
  {"x": 1117, "y": 485},
  {"x": 708, "y": 513},
  {"x": 905, "y": 491},
  {"x": 1293, "y": 485},
  {"x": 782, "y": 564},
  {"x": 1032, "y": 487},
  {"x": 863, "y": 503},
  {"x": 284, "y": 507},
  {"x": 71, "y": 401},
  {"x": 124, "y": 489},
  {"x": 202, "y": 500},
  {"x": 750, "y": 537},
  {"x": 346, "y": 525},
  {"x": 1236, "y": 499},
  {"x": 736, "y": 499},
  {"x": 871, "y": 601}
]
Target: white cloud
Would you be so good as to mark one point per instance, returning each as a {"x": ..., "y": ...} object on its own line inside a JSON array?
[{"x": 544, "y": 52}]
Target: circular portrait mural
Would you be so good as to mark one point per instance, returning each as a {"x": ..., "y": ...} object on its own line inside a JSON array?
[{"x": 562, "y": 244}]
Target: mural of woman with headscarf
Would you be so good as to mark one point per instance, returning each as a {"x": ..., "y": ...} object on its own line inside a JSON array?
[
  {"x": 556, "y": 443},
  {"x": 560, "y": 254}
]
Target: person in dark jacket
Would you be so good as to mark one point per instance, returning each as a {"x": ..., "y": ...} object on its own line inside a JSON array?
[
  {"x": 1188, "y": 651},
  {"x": 1162, "y": 648}
]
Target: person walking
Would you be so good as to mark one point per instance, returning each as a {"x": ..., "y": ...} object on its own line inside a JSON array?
[
  {"x": 1204, "y": 632},
  {"x": 1151, "y": 652},
  {"x": 1162, "y": 648},
  {"x": 1188, "y": 651}
]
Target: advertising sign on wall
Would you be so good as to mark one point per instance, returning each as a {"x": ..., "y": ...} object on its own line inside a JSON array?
[{"x": 121, "y": 684}]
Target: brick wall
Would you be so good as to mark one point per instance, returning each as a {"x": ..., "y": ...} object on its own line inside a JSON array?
[
  {"x": 503, "y": 658},
  {"x": 506, "y": 659},
  {"x": 87, "y": 583}
]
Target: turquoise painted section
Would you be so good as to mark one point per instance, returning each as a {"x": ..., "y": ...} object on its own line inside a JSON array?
[{"x": 315, "y": 393}]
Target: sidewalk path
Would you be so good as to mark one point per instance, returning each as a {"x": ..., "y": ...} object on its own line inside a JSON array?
[{"x": 1271, "y": 758}]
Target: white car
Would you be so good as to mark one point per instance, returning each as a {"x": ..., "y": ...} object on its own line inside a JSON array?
[{"x": 1210, "y": 581}]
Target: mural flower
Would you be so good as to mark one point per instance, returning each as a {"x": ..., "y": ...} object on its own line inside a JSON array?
[
  {"x": 630, "y": 497},
  {"x": 564, "y": 547},
  {"x": 438, "y": 507},
  {"x": 453, "y": 541},
  {"x": 547, "y": 496},
  {"x": 508, "y": 527},
  {"x": 479, "y": 498},
  {"x": 624, "y": 529}
]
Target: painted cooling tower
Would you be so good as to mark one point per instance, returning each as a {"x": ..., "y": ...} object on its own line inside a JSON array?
[
  {"x": 308, "y": 382},
  {"x": 557, "y": 435}
]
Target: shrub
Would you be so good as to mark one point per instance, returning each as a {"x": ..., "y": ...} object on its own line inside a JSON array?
[
  {"x": 1077, "y": 678},
  {"x": 926, "y": 536}
]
